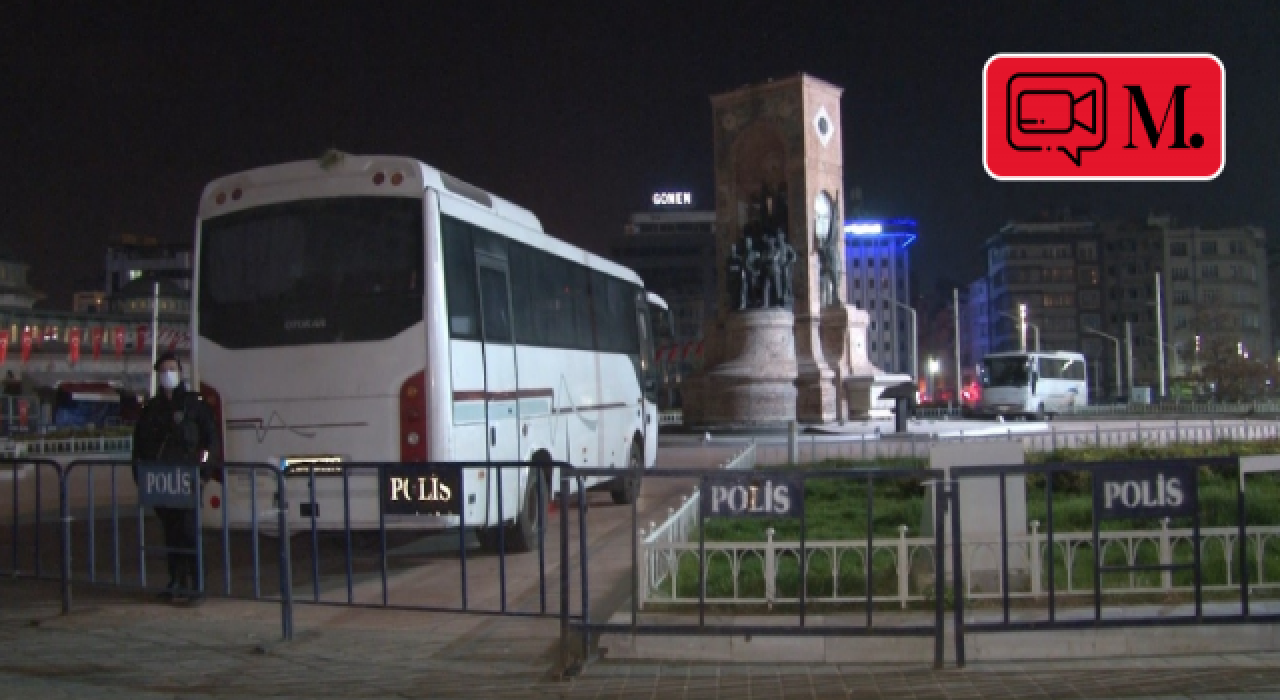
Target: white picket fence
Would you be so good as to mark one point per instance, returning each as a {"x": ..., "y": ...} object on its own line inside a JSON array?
[{"x": 909, "y": 561}]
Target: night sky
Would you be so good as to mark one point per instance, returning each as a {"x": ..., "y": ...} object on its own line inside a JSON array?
[{"x": 113, "y": 120}]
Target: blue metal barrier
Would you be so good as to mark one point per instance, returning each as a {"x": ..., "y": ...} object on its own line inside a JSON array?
[{"x": 233, "y": 494}]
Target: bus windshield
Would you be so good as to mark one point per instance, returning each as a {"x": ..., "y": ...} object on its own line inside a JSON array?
[
  {"x": 339, "y": 269},
  {"x": 1005, "y": 371}
]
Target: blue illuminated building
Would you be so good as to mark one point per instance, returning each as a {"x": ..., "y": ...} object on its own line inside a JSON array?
[{"x": 877, "y": 266}]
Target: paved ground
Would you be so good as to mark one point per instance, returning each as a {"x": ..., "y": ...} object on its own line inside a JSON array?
[{"x": 130, "y": 647}]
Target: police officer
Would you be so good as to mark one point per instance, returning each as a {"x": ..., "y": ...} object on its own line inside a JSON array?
[{"x": 177, "y": 427}]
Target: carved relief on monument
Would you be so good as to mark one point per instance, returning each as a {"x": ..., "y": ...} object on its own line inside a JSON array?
[{"x": 759, "y": 158}]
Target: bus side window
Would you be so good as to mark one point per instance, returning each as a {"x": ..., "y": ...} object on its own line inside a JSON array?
[{"x": 460, "y": 279}]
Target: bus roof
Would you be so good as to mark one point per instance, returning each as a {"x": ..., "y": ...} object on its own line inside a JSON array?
[
  {"x": 655, "y": 300},
  {"x": 355, "y": 174}
]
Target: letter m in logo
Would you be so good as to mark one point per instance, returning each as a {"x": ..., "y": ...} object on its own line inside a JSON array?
[{"x": 1177, "y": 103}]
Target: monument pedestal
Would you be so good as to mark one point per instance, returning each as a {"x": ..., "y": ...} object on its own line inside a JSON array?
[{"x": 755, "y": 385}]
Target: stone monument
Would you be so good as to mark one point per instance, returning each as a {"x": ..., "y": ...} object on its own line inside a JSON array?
[{"x": 779, "y": 173}]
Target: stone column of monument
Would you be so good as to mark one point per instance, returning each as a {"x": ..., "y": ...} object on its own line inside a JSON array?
[{"x": 778, "y": 151}]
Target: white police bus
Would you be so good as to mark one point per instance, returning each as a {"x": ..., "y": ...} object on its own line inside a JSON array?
[
  {"x": 1032, "y": 384},
  {"x": 374, "y": 309}
]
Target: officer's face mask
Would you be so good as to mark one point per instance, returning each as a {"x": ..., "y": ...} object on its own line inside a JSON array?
[{"x": 170, "y": 379}]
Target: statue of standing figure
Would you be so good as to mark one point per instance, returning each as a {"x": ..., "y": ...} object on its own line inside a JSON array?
[
  {"x": 771, "y": 291},
  {"x": 736, "y": 275},
  {"x": 830, "y": 261},
  {"x": 787, "y": 259},
  {"x": 751, "y": 263}
]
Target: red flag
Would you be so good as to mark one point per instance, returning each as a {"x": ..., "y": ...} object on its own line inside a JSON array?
[
  {"x": 142, "y": 340},
  {"x": 22, "y": 413},
  {"x": 26, "y": 345},
  {"x": 73, "y": 339},
  {"x": 4, "y": 346},
  {"x": 119, "y": 338},
  {"x": 95, "y": 339}
]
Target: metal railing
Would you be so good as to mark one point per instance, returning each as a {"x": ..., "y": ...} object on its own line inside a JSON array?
[
  {"x": 95, "y": 444},
  {"x": 249, "y": 513},
  {"x": 916, "y": 445},
  {"x": 801, "y": 609},
  {"x": 1169, "y": 408}
]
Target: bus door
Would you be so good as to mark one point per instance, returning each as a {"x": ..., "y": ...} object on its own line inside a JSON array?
[
  {"x": 501, "y": 403},
  {"x": 648, "y": 379}
]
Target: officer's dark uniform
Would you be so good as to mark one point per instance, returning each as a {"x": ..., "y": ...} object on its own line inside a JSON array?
[{"x": 177, "y": 429}]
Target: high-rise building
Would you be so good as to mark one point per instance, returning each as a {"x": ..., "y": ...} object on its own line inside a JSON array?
[
  {"x": 877, "y": 268},
  {"x": 1052, "y": 269},
  {"x": 133, "y": 257},
  {"x": 1216, "y": 294},
  {"x": 673, "y": 249},
  {"x": 1091, "y": 287}
]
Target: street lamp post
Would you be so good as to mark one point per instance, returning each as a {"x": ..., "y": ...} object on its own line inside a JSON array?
[
  {"x": 915, "y": 339},
  {"x": 1160, "y": 335},
  {"x": 955, "y": 302},
  {"x": 1024, "y": 324},
  {"x": 1112, "y": 338}
]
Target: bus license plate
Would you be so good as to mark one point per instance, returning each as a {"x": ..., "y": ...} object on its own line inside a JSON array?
[{"x": 409, "y": 491}]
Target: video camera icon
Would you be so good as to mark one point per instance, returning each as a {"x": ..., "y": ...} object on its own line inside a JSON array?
[{"x": 1056, "y": 111}]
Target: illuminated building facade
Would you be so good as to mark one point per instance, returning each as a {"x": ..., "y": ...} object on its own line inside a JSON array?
[{"x": 877, "y": 269}]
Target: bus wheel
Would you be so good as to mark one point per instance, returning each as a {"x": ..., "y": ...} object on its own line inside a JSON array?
[
  {"x": 626, "y": 489},
  {"x": 521, "y": 535}
]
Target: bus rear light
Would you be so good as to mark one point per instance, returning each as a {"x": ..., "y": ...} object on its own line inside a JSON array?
[
  {"x": 397, "y": 178},
  {"x": 221, "y": 198},
  {"x": 413, "y": 419},
  {"x": 235, "y": 194},
  {"x": 215, "y": 502},
  {"x": 378, "y": 178}
]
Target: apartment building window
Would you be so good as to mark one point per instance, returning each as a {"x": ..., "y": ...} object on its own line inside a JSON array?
[
  {"x": 1087, "y": 251},
  {"x": 1178, "y": 249},
  {"x": 1089, "y": 275},
  {"x": 1209, "y": 272},
  {"x": 1238, "y": 247},
  {"x": 1210, "y": 296},
  {"x": 1180, "y": 273},
  {"x": 1060, "y": 274},
  {"x": 1090, "y": 299},
  {"x": 1249, "y": 321},
  {"x": 1209, "y": 247},
  {"x": 1063, "y": 300},
  {"x": 1090, "y": 321},
  {"x": 1179, "y": 322},
  {"x": 1181, "y": 296}
]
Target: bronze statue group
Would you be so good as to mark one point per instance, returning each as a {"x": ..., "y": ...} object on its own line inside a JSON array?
[{"x": 759, "y": 269}]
